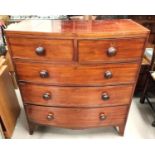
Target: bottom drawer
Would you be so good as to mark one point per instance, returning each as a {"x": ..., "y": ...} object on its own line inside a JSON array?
[{"x": 77, "y": 117}]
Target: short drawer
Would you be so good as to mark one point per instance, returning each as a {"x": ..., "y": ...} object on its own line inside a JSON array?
[
  {"x": 77, "y": 117},
  {"x": 44, "y": 73},
  {"x": 114, "y": 50},
  {"x": 76, "y": 96},
  {"x": 42, "y": 49}
]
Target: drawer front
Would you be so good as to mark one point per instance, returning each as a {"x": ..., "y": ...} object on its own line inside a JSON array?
[
  {"x": 76, "y": 96},
  {"x": 77, "y": 117},
  {"x": 42, "y": 49},
  {"x": 110, "y": 50},
  {"x": 76, "y": 75}
]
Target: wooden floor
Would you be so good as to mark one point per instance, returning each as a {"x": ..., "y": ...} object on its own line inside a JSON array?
[{"x": 138, "y": 126}]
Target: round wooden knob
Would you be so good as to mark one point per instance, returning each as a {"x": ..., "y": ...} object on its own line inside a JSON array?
[
  {"x": 108, "y": 75},
  {"x": 105, "y": 96},
  {"x": 44, "y": 74},
  {"x": 102, "y": 117},
  {"x": 50, "y": 116},
  {"x": 47, "y": 96},
  {"x": 40, "y": 51},
  {"x": 111, "y": 51}
]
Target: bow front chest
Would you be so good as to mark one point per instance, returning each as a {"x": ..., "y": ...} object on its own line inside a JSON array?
[{"x": 77, "y": 74}]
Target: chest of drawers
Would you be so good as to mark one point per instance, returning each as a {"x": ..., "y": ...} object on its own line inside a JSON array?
[{"x": 77, "y": 74}]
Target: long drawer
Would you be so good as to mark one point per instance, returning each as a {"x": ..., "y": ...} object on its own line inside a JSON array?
[
  {"x": 45, "y": 73},
  {"x": 77, "y": 117},
  {"x": 76, "y": 96},
  {"x": 110, "y": 50},
  {"x": 42, "y": 49}
]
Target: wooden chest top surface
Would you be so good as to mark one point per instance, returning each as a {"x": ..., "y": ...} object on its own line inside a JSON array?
[{"x": 90, "y": 28}]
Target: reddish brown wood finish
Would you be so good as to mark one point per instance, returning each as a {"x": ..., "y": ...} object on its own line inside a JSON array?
[
  {"x": 76, "y": 60},
  {"x": 75, "y": 96},
  {"x": 97, "y": 50},
  {"x": 54, "y": 50},
  {"x": 76, "y": 74},
  {"x": 78, "y": 29},
  {"x": 77, "y": 117}
]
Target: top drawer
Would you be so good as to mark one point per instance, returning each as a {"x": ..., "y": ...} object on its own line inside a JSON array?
[
  {"x": 110, "y": 50},
  {"x": 42, "y": 49}
]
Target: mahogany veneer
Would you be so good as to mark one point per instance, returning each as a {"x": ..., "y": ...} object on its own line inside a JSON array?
[
  {"x": 54, "y": 50},
  {"x": 71, "y": 74},
  {"x": 77, "y": 74},
  {"x": 96, "y": 50},
  {"x": 77, "y": 96},
  {"x": 77, "y": 117}
]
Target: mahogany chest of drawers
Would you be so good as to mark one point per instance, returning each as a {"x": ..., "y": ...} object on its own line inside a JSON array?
[{"x": 77, "y": 74}]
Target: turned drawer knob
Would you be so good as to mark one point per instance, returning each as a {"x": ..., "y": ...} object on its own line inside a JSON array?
[
  {"x": 50, "y": 116},
  {"x": 105, "y": 96},
  {"x": 108, "y": 75},
  {"x": 40, "y": 51},
  {"x": 111, "y": 51},
  {"x": 103, "y": 116},
  {"x": 47, "y": 96},
  {"x": 44, "y": 74}
]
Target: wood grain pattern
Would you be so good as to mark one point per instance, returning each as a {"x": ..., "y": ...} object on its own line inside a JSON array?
[
  {"x": 55, "y": 50},
  {"x": 75, "y": 96},
  {"x": 77, "y": 117},
  {"x": 76, "y": 74},
  {"x": 77, "y": 29},
  {"x": 96, "y": 50},
  {"x": 73, "y": 71}
]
